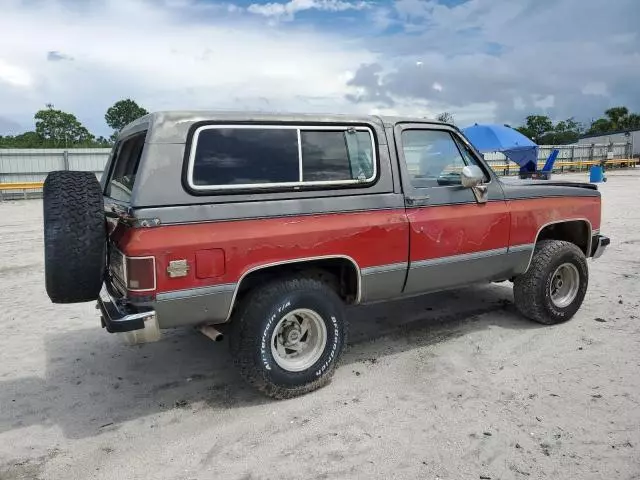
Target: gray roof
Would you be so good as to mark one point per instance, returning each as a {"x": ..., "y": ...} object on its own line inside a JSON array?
[{"x": 173, "y": 126}]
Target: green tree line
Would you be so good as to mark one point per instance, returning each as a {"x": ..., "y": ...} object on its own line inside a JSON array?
[
  {"x": 543, "y": 131},
  {"x": 58, "y": 129}
]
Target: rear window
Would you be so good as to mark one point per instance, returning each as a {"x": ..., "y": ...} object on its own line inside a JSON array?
[
  {"x": 125, "y": 167},
  {"x": 229, "y": 157}
]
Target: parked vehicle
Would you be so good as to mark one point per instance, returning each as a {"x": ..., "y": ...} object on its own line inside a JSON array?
[{"x": 266, "y": 226}]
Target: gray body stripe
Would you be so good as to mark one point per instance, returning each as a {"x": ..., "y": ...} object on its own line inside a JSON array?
[
  {"x": 568, "y": 193},
  {"x": 459, "y": 258},
  {"x": 392, "y": 267},
  {"x": 524, "y": 191},
  {"x": 521, "y": 248},
  {"x": 195, "y": 292},
  {"x": 268, "y": 209}
]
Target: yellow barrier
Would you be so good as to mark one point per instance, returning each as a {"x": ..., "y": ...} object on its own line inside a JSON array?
[
  {"x": 587, "y": 163},
  {"x": 21, "y": 186},
  {"x": 560, "y": 165}
]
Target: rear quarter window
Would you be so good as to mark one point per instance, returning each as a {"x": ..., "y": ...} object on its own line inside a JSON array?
[
  {"x": 283, "y": 156},
  {"x": 125, "y": 167},
  {"x": 243, "y": 156}
]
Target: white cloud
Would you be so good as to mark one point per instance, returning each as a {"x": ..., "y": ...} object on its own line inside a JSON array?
[
  {"x": 14, "y": 75},
  {"x": 482, "y": 60},
  {"x": 130, "y": 48},
  {"x": 512, "y": 58},
  {"x": 287, "y": 10}
]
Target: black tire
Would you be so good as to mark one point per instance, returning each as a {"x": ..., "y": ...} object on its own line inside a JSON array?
[
  {"x": 256, "y": 319},
  {"x": 74, "y": 236},
  {"x": 532, "y": 290}
]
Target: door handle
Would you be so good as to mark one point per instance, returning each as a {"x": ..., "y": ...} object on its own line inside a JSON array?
[{"x": 416, "y": 200}]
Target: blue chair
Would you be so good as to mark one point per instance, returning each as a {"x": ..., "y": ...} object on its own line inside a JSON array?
[
  {"x": 529, "y": 170},
  {"x": 548, "y": 166}
]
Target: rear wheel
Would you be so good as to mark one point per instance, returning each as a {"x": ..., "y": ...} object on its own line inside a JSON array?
[
  {"x": 553, "y": 288},
  {"x": 288, "y": 336},
  {"x": 74, "y": 236}
]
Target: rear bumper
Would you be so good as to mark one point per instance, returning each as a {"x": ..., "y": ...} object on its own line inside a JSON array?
[
  {"x": 121, "y": 318},
  {"x": 598, "y": 245}
]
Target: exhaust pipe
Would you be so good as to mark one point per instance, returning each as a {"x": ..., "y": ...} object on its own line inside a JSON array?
[{"x": 212, "y": 333}]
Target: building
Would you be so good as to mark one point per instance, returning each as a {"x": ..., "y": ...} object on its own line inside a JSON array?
[{"x": 623, "y": 136}]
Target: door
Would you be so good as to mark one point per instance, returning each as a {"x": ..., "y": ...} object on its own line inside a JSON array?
[{"x": 458, "y": 235}]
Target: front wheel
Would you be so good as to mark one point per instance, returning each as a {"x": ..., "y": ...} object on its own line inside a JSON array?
[
  {"x": 553, "y": 288},
  {"x": 288, "y": 336}
]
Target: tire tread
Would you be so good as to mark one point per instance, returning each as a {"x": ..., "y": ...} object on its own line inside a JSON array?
[
  {"x": 74, "y": 236},
  {"x": 526, "y": 285},
  {"x": 244, "y": 333}
]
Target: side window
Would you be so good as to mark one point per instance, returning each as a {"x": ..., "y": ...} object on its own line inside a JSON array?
[
  {"x": 231, "y": 157},
  {"x": 433, "y": 158},
  {"x": 361, "y": 158},
  {"x": 246, "y": 156},
  {"x": 469, "y": 158},
  {"x": 125, "y": 167},
  {"x": 336, "y": 155}
]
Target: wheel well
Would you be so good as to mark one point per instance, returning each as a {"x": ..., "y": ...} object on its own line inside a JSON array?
[
  {"x": 341, "y": 274},
  {"x": 577, "y": 232}
]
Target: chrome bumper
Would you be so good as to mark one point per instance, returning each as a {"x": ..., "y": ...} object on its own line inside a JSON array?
[
  {"x": 599, "y": 244},
  {"x": 120, "y": 318}
]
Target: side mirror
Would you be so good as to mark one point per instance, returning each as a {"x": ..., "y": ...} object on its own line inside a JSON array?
[{"x": 472, "y": 176}]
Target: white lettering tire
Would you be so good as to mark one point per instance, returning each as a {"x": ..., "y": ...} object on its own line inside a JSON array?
[{"x": 288, "y": 335}]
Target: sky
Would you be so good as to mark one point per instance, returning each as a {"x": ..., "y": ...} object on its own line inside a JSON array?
[{"x": 481, "y": 60}]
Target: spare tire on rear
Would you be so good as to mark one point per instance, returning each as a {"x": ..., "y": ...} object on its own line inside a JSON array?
[{"x": 74, "y": 236}]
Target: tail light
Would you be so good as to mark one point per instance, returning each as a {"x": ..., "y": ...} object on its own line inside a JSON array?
[{"x": 141, "y": 274}]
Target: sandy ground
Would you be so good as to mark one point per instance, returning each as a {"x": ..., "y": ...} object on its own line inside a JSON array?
[{"x": 449, "y": 386}]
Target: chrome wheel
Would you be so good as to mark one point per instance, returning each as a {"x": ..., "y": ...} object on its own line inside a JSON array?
[
  {"x": 565, "y": 284},
  {"x": 298, "y": 340}
]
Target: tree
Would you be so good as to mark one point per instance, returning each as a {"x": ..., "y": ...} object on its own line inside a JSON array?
[
  {"x": 541, "y": 130},
  {"x": 631, "y": 122},
  {"x": 616, "y": 119},
  {"x": 535, "y": 126},
  {"x": 564, "y": 132},
  {"x": 103, "y": 142},
  {"x": 24, "y": 140},
  {"x": 445, "y": 117},
  {"x": 123, "y": 113},
  {"x": 602, "y": 125},
  {"x": 61, "y": 129},
  {"x": 617, "y": 115}
]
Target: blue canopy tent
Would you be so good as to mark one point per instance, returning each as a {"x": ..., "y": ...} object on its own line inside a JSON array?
[{"x": 500, "y": 138}]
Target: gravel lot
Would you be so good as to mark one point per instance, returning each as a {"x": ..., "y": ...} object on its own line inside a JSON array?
[{"x": 450, "y": 386}]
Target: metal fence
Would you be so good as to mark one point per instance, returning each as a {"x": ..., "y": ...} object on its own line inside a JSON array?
[
  {"x": 22, "y": 170},
  {"x": 19, "y": 165},
  {"x": 570, "y": 157},
  {"x": 26, "y": 169}
]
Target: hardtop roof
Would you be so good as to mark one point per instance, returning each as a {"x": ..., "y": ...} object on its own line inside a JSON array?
[{"x": 172, "y": 126}]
